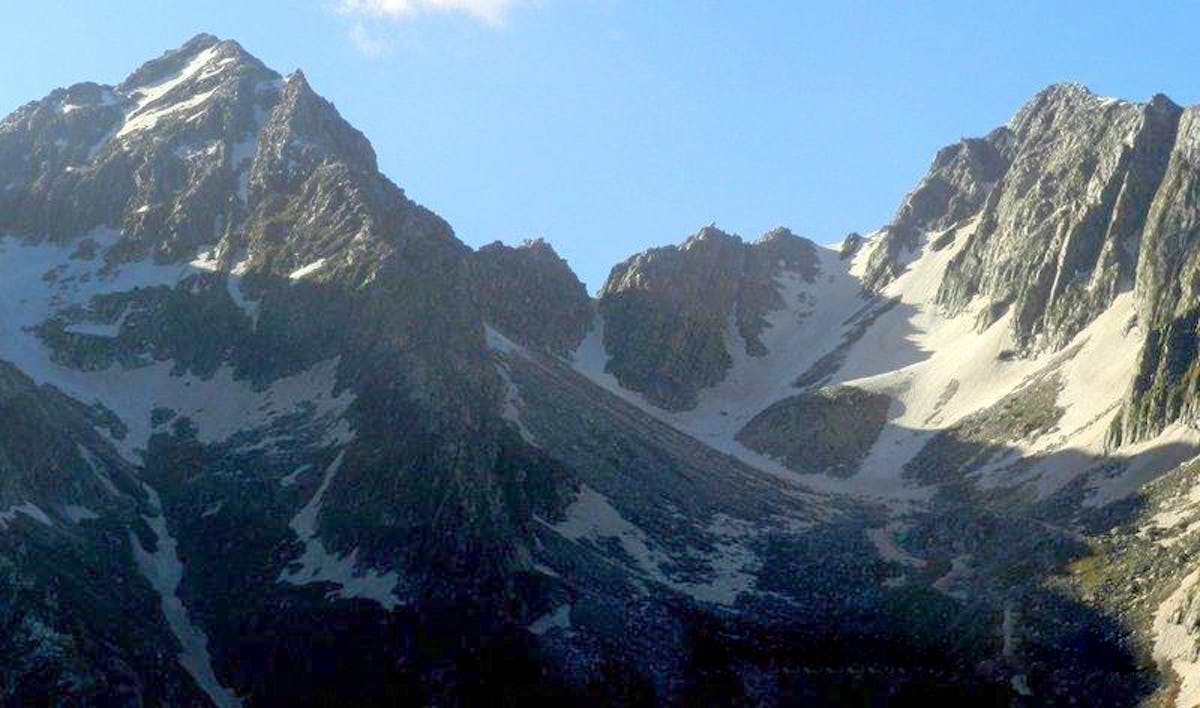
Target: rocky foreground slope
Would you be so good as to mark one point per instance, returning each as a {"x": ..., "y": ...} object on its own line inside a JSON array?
[{"x": 271, "y": 435}]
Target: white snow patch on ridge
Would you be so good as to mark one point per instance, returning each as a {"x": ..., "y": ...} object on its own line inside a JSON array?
[
  {"x": 79, "y": 514},
  {"x": 150, "y": 118},
  {"x": 147, "y": 112},
  {"x": 559, "y": 618},
  {"x": 513, "y": 403}
]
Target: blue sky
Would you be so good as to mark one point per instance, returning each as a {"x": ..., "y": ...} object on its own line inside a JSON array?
[{"x": 609, "y": 126}]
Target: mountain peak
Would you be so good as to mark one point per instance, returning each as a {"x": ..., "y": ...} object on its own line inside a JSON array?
[
  {"x": 779, "y": 233},
  {"x": 1066, "y": 89},
  {"x": 204, "y": 55},
  {"x": 203, "y": 40},
  {"x": 298, "y": 79}
]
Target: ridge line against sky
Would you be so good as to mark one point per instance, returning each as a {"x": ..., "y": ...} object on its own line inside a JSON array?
[{"x": 611, "y": 126}]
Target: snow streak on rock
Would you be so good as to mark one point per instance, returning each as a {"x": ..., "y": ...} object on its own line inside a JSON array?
[
  {"x": 164, "y": 570},
  {"x": 318, "y": 565}
]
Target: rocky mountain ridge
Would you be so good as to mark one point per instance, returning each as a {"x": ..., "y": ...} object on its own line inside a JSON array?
[{"x": 254, "y": 395}]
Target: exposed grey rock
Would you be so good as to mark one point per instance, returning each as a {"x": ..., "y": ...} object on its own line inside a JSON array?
[
  {"x": 472, "y": 516},
  {"x": 531, "y": 295},
  {"x": 828, "y": 431},
  {"x": 1060, "y": 237},
  {"x": 152, "y": 156},
  {"x": 666, "y": 311},
  {"x": 958, "y": 183},
  {"x": 851, "y": 245},
  {"x": 1165, "y": 389},
  {"x": 52, "y": 452}
]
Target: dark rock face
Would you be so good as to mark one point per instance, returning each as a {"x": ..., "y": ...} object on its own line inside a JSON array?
[
  {"x": 666, "y": 311},
  {"x": 531, "y": 295},
  {"x": 851, "y": 245},
  {"x": 52, "y": 450},
  {"x": 828, "y": 431},
  {"x": 68, "y": 514}
]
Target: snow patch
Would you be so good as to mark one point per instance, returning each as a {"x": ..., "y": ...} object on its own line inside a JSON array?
[
  {"x": 78, "y": 514},
  {"x": 513, "y": 403},
  {"x": 559, "y": 618},
  {"x": 1176, "y": 647},
  {"x": 29, "y": 509},
  {"x": 304, "y": 272},
  {"x": 937, "y": 369},
  {"x": 42, "y": 280},
  {"x": 139, "y": 121},
  {"x": 319, "y": 565},
  {"x": 148, "y": 111},
  {"x": 164, "y": 570},
  {"x": 591, "y": 517},
  {"x": 241, "y": 159},
  {"x": 291, "y": 478}
]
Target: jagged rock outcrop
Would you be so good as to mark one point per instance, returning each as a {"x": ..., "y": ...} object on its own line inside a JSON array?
[
  {"x": 1167, "y": 386},
  {"x": 160, "y": 156},
  {"x": 851, "y": 245},
  {"x": 1060, "y": 236},
  {"x": 667, "y": 311},
  {"x": 531, "y": 295},
  {"x": 959, "y": 181},
  {"x": 1061, "y": 195}
]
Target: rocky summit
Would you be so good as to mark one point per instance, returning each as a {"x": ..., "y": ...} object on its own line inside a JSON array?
[{"x": 270, "y": 434}]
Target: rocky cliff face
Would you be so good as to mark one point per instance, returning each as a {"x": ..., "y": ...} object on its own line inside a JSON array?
[
  {"x": 1086, "y": 198},
  {"x": 530, "y": 294},
  {"x": 1061, "y": 236},
  {"x": 1062, "y": 195},
  {"x": 161, "y": 155},
  {"x": 668, "y": 313},
  {"x": 959, "y": 181},
  {"x": 69, "y": 523},
  {"x": 1165, "y": 389}
]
